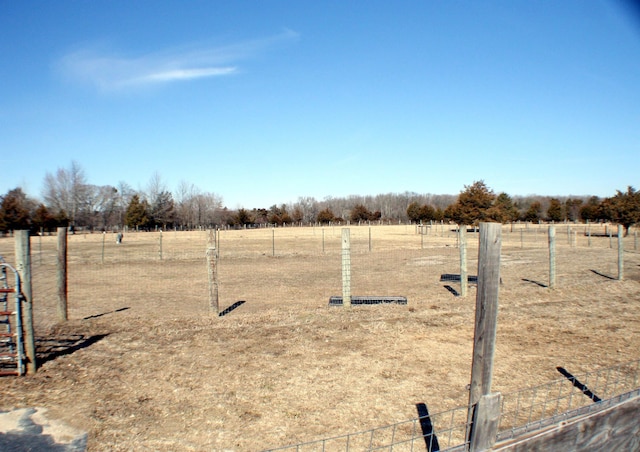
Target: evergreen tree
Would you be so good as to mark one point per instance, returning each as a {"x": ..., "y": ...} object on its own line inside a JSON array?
[
  {"x": 42, "y": 219},
  {"x": 14, "y": 211},
  {"x": 326, "y": 216},
  {"x": 413, "y": 212},
  {"x": 298, "y": 215},
  {"x": 503, "y": 209},
  {"x": 163, "y": 211},
  {"x": 623, "y": 208},
  {"x": 572, "y": 209},
  {"x": 554, "y": 211},
  {"x": 361, "y": 213},
  {"x": 591, "y": 210},
  {"x": 473, "y": 204},
  {"x": 242, "y": 217},
  {"x": 534, "y": 213},
  {"x": 137, "y": 215}
]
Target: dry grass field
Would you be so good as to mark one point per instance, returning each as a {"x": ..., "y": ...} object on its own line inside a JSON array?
[{"x": 143, "y": 365}]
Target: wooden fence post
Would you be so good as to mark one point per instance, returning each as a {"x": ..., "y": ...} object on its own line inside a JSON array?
[
  {"x": 63, "y": 313},
  {"x": 552, "y": 257},
  {"x": 486, "y": 318},
  {"x": 521, "y": 238},
  {"x": 346, "y": 268},
  {"x": 464, "y": 281},
  {"x": 485, "y": 422},
  {"x": 212, "y": 267},
  {"x": 620, "y": 253},
  {"x": 104, "y": 236},
  {"x": 23, "y": 265}
]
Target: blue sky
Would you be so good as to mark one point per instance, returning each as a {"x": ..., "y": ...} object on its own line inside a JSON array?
[{"x": 265, "y": 101}]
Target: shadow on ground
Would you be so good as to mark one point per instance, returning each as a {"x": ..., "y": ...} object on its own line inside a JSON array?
[
  {"x": 50, "y": 348},
  {"x": 235, "y": 305}
]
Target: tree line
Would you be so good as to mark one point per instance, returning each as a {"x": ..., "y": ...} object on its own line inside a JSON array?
[{"x": 68, "y": 199}]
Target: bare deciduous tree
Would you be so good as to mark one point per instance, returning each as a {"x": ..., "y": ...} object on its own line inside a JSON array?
[{"x": 66, "y": 190}]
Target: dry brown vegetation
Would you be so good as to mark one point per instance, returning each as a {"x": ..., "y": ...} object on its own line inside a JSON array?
[{"x": 143, "y": 365}]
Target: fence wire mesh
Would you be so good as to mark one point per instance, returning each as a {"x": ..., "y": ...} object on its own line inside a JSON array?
[
  {"x": 443, "y": 432},
  {"x": 533, "y": 408},
  {"x": 522, "y": 412}
]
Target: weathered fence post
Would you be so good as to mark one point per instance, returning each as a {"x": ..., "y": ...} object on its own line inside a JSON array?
[
  {"x": 104, "y": 234},
  {"x": 40, "y": 245},
  {"x": 620, "y": 253},
  {"x": 521, "y": 239},
  {"x": 485, "y": 422},
  {"x": 322, "y": 240},
  {"x": 346, "y": 268},
  {"x": 273, "y": 241},
  {"x": 369, "y": 238},
  {"x": 486, "y": 321},
  {"x": 63, "y": 313},
  {"x": 212, "y": 267},
  {"x": 23, "y": 265},
  {"x": 462, "y": 231},
  {"x": 552, "y": 257},
  {"x": 160, "y": 245}
]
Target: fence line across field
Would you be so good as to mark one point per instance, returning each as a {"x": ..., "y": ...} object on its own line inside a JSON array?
[{"x": 436, "y": 254}]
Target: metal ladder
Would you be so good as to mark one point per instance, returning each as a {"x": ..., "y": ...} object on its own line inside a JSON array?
[{"x": 12, "y": 356}]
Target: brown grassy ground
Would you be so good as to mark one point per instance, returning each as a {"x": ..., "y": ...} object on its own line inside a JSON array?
[{"x": 142, "y": 365}]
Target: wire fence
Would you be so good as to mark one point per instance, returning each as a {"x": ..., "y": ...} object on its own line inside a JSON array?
[
  {"x": 537, "y": 407},
  {"x": 522, "y": 412},
  {"x": 302, "y": 265},
  {"x": 413, "y": 435}
]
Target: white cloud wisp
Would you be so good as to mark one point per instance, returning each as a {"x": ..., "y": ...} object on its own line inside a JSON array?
[{"x": 114, "y": 73}]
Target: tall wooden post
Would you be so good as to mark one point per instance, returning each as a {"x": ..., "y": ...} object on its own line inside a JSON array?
[
  {"x": 23, "y": 265},
  {"x": 212, "y": 267},
  {"x": 486, "y": 321},
  {"x": 464, "y": 283},
  {"x": 63, "y": 313},
  {"x": 552, "y": 257},
  {"x": 620, "y": 253},
  {"x": 104, "y": 235},
  {"x": 160, "y": 245},
  {"x": 346, "y": 268},
  {"x": 522, "y": 238}
]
